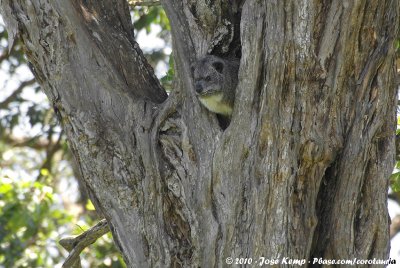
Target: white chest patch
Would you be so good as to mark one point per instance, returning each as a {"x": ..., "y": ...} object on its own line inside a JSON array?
[{"x": 214, "y": 104}]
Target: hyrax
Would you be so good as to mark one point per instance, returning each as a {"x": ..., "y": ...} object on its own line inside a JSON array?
[{"x": 215, "y": 81}]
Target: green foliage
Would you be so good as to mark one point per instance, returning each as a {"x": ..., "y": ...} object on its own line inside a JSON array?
[
  {"x": 395, "y": 180},
  {"x": 150, "y": 19},
  {"x": 395, "y": 177},
  {"x": 28, "y": 224},
  {"x": 31, "y": 221},
  {"x": 148, "y": 16},
  {"x": 168, "y": 79}
]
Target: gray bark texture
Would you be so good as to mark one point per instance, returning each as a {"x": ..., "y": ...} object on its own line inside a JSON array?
[{"x": 301, "y": 171}]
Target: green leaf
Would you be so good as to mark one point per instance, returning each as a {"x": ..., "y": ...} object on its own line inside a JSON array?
[
  {"x": 395, "y": 181},
  {"x": 5, "y": 188},
  {"x": 90, "y": 206}
]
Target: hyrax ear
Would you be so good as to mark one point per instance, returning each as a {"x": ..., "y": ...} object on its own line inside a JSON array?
[{"x": 218, "y": 66}]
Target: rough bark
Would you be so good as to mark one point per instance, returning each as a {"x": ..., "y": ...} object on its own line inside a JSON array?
[{"x": 301, "y": 171}]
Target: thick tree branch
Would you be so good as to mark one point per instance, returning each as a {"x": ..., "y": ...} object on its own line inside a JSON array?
[
  {"x": 105, "y": 94},
  {"x": 129, "y": 61}
]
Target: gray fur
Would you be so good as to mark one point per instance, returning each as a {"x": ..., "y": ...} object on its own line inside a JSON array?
[{"x": 212, "y": 76}]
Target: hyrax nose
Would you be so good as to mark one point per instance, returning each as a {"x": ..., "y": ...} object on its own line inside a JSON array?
[{"x": 198, "y": 87}]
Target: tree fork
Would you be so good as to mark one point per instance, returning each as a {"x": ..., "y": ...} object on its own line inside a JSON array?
[{"x": 302, "y": 169}]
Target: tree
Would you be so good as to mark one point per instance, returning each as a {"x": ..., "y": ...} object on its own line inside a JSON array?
[
  {"x": 300, "y": 172},
  {"x": 35, "y": 161}
]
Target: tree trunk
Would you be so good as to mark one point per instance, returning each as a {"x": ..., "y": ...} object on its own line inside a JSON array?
[{"x": 302, "y": 170}]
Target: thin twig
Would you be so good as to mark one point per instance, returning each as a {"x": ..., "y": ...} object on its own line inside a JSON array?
[{"x": 4, "y": 104}]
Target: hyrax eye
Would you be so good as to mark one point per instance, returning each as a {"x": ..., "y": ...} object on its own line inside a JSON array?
[
  {"x": 208, "y": 78},
  {"x": 219, "y": 66}
]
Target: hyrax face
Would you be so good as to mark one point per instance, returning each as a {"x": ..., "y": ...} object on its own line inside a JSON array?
[
  {"x": 214, "y": 81},
  {"x": 208, "y": 75}
]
